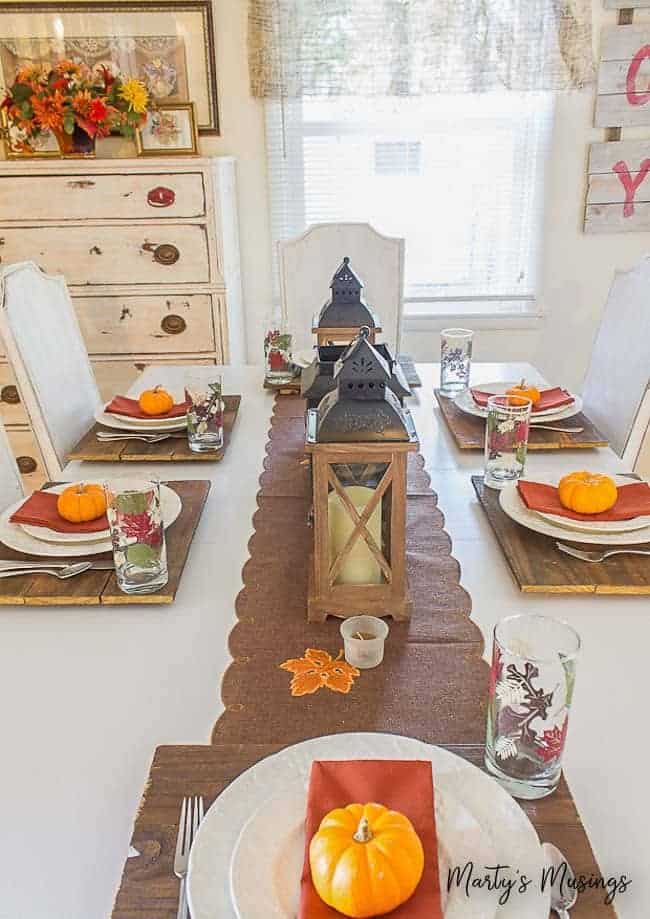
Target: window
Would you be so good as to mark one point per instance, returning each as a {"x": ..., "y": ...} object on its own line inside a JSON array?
[{"x": 460, "y": 177}]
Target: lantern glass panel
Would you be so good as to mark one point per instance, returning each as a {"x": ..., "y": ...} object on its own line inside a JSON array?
[{"x": 360, "y": 565}]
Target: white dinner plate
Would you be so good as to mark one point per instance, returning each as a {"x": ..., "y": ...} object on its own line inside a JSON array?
[
  {"x": 513, "y": 505},
  {"x": 506, "y": 829},
  {"x": 14, "y": 536},
  {"x": 122, "y": 423},
  {"x": 596, "y": 526},
  {"x": 466, "y": 403},
  {"x": 273, "y": 841}
]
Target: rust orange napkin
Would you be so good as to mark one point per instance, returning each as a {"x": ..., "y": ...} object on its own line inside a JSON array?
[
  {"x": 122, "y": 405},
  {"x": 39, "y": 510},
  {"x": 549, "y": 398},
  {"x": 633, "y": 501},
  {"x": 402, "y": 785}
]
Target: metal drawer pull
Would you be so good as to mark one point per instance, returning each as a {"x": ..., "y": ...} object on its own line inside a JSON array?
[
  {"x": 173, "y": 324},
  {"x": 9, "y": 394},
  {"x": 161, "y": 197},
  {"x": 26, "y": 464},
  {"x": 164, "y": 254}
]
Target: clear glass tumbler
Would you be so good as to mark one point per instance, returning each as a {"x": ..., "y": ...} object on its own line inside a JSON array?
[
  {"x": 506, "y": 439},
  {"x": 531, "y": 687},
  {"x": 204, "y": 398},
  {"x": 455, "y": 360},
  {"x": 137, "y": 534},
  {"x": 278, "y": 363}
]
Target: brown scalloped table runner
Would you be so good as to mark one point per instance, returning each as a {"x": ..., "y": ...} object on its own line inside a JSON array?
[{"x": 432, "y": 684}]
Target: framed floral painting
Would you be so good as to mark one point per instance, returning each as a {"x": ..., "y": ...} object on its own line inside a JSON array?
[
  {"x": 169, "y": 130},
  {"x": 168, "y": 44}
]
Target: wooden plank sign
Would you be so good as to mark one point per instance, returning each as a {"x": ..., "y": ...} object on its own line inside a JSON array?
[
  {"x": 623, "y": 95},
  {"x": 626, "y": 4},
  {"x": 618, "y": 189}
]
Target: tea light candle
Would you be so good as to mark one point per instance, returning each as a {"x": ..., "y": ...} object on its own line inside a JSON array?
[
  {"x": 360, "y": 565},
  {"x": 364, "y": 638}
]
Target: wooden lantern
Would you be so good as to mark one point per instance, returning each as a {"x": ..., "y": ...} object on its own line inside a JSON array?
[
  {"x": 359, "y": 439},
  {"x": 346, "y": 311}
]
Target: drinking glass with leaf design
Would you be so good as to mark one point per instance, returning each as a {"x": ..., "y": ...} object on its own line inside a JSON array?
[
  {"x": 506, "y": 439},
  {"x": 137, "y": 535},
  {"x": 278, "y": 361},
  {"x": 530, "y": 693},
  {"x": 455, "y": 360},
  {"x": 204, "y": 398}
]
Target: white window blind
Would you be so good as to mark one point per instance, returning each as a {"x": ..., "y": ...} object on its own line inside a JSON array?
[{"x": 460, "y": 177}]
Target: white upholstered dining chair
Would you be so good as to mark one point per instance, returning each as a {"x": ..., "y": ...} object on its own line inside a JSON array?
[
  {"x": 43, "y": 341},
  {"x": 11, "y": 486},
  {"x": 616, "y": 391},
  {"x": 307, "y": 263}
]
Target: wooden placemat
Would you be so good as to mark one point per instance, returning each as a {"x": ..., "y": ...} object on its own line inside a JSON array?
[
  {"x": 174, "y": 450},
  {"x": 538, "y": 567},
  {"x": 93, "y": 588},
  {"x": 284, "y": 389},
  {"x": 149, "y": 889},
  {"x": 469, "y": 431}
]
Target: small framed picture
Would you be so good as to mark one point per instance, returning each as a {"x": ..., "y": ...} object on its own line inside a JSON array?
[
  {"x": 18, "y": 146},
  {"x": 169, "y": 130}
]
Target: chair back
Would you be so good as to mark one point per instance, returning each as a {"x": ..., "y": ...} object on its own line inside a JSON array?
[
  {"x": 11, "y": 486},
  {"x": 41, "y": 333},
  {"x": 618, "y": 376},
  {"x": 307, "y": 263}
]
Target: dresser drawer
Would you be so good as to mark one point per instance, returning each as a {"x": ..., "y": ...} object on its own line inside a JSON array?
[
  {"x": 12, "y": 410},
  {"x": 153, "y": 324},
  {"x": 103, "y": 197},
  {"x": 29, "y": 459},
  {"x": 161, "y": 254}
]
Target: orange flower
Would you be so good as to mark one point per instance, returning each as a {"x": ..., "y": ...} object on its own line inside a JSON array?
[
  {"x": 98, "y": 111},
  {"x": 318, "y": 668},
  {"x": 48, "y": 112},
  {"x": 82, "y": 101},
  {"x": 67, "y": 67}
]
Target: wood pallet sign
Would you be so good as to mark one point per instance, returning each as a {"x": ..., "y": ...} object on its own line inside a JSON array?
[
  {"x": 623, "y": 93},
  {"x": 618, "y": 187},
  {"x": 626, "y": 4}
]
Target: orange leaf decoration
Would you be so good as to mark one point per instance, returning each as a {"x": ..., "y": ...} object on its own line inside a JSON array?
[{"x": 318, "y": 668}]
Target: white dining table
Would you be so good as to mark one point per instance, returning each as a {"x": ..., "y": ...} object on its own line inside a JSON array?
[{"x": 89, "y": 692}]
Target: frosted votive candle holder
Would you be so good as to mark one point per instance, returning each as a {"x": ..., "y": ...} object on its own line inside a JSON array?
[{"x": 364, "y": 638}]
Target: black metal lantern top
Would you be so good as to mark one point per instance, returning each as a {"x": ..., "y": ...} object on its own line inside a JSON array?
[
  {"x": 362, "y": 408},
  {"x": 346, "y": 308}
]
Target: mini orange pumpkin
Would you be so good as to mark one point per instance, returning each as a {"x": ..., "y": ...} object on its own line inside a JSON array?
[
  {"x": 587, "y": 492},
  {"x": 365, "y": 860},
  {"x": 524, "y": 391},
  {"x": 156, "y": 401},
  {"x": 81, "y": 503}
]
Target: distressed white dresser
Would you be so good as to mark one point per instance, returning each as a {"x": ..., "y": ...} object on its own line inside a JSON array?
[{"x": 149, "y": 249}]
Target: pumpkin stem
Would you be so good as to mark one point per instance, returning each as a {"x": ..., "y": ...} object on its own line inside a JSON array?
[
  {"x": 363, "y": 833},
  {"x": 522, "y": 385}
]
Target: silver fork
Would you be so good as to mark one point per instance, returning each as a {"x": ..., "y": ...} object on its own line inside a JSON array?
[
  {"x": 598, "y": 556},
  {"x": 551, "y": 427},
  {"x": 191, "y": 817},
  {"x": 147, "y": 438},
  {"x": 62, "y": 573}
]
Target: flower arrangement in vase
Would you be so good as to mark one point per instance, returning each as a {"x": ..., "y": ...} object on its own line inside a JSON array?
[{"x": 74, "y": 103}]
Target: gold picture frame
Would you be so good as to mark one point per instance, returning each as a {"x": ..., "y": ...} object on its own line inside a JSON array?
[
  {"x": 165, "y": 126},
  {"x": 11, "y": 153},
  {"x": 168, "y": 44}
]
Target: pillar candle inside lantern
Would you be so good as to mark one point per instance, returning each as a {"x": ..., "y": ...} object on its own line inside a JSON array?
[{"x": 360, "y": 565}]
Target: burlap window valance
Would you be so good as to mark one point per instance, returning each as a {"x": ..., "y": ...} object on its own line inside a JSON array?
[{"x": 413, "y": 47}]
